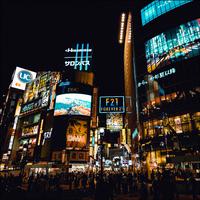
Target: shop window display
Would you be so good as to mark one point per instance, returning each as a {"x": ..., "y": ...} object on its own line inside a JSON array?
[{"x": 178, "y": 124}]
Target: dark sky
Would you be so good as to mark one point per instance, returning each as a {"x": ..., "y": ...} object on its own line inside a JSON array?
[{"x": 34, "y": 36}]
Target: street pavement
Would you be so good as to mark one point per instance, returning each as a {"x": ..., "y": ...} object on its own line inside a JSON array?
[{"x": 136, "y": 197}]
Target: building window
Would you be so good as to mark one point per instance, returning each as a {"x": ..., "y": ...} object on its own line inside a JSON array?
[
  {"x": 177, "y": 44},
  {"x": 159, "y": 7},
  {"x": 196, "y": 118},
  {"x": 180, "y": 124}
]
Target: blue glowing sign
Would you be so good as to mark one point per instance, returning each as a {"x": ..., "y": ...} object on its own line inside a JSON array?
[
  {"x": 25, "y": 76},
  {"x": 79, "y": 58},
  {"x": 177, "y": 44},
  {"x": 159, "y": 7},
  {"x": 135, "y": 133},
  {"x": 111, "y": 104}
]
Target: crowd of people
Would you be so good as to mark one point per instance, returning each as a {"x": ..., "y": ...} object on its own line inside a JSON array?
[{"x": 160, "y": 185}]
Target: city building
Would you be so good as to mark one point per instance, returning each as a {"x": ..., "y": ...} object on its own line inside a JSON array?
[
  {"x": 50, "y": 120},
  {"x": 167, "y": 49},
  {"x": 9, "y": 110}
]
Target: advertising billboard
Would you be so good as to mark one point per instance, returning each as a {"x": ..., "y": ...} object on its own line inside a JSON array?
[
  {"x": 33, "y": 130},
  {"x": 40, "y": 92},
  {"x": 73, "y": 104},
  {"x": 158, "y": 8},
  {"x": 114, "y": 121},
  {"x": 79, "y": 58},
  {"x": 76, "y": 134},
  {"x": 21, "y": 77},
  {"x": 177, "y": 44},
  {"x": 111, "y": 104}
]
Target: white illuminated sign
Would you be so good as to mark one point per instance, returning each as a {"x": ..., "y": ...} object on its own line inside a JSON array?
[
  {"x": 158, "y": 76},
  {"x": 79, "y": 58},
  {"x": 76, "y": 63},
  {"x": 11, "y": 142},
  {"x": 77, "y": 50},
  {"x": 21, "y": 77}
]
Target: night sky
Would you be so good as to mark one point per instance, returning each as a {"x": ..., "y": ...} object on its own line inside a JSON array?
[{"x": 34, "y": 35}]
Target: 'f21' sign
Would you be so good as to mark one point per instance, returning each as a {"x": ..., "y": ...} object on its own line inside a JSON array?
[{"x": 111, "y": 104}]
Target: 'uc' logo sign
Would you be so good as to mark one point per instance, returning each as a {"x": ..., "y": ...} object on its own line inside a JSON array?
[{"x": 25, "y": 76}]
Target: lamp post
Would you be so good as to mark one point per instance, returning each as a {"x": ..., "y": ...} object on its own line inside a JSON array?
[{"x": 101, "y": 130}]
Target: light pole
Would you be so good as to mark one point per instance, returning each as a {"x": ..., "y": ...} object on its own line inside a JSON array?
[{"x": 101, "y": 130}]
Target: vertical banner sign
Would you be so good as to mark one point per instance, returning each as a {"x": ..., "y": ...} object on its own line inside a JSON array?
[
  {"x": 123, "y": 136},
  {"x": 94, "y": 108},
  {"x": 79, "y": 58}
]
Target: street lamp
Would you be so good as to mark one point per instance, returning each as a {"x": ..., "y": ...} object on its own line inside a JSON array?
[{"x": 101, "y": 131}]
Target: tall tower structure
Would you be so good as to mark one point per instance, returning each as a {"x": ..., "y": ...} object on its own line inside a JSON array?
[{"x": 126, "y": 37}]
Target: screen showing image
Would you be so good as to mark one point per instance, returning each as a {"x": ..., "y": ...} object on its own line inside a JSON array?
[
  {"x": 73, "y": 104},
  {"x": 158, "y": 8},
  {"x": 76, "y": 134},
  {"x": 177, "y": 44},
  {"x": 114, "y": 121}
]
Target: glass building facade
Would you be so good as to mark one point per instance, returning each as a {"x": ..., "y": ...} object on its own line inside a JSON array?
[
  {"x": 168, "y": 83},
  {"x": 159, "y": 7},
  {"x": 177, "y": 44}
]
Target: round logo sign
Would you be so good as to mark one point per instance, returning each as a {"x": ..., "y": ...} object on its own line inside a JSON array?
[{"x": 25, "y": 76}]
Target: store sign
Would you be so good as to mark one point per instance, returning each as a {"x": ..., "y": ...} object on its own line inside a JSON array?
[
  {"x": 47, "y": 134},
  {"x": 33, "y": 130},
  {"x": 79, "y": 58},
  {"x": 21, "y": 77},
  {"x": 25, "y": 76},
  {"x": 77, "y": 63},
  {"x": 157, "y": 76},
  {"x": 111, "y": 104},
  {"x": 31, "y": 106}
]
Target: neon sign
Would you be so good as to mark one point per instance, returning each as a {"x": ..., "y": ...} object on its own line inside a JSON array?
[
  {"x": 79, "y": 58},
  {"x": 158, "y": 76},
  {"x": 111, "y": 104}
]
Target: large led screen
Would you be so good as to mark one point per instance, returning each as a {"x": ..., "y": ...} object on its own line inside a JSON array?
[
  {"x": 177, "y": 44},
  {"x": 76, "y": 134},
  {"x": 73, "y": 104},
  {"x": 114, "y": 121},
  {"x": 159, "y": 7}
]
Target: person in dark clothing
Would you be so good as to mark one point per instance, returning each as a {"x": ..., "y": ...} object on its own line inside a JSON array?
[
  {"x": 100, "y": 192},
  {"x": 30, "y": 182},
  {"x": 110, "y": 187},
  {"x": 156, "y": 189},
  {"x": 193, "y": 184},
  {"x": 130, "y": 183},
  {"x": 84, "y": 182},
  {"x": 143, "y": 191},
  {"x": 167, "y": 187}
]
